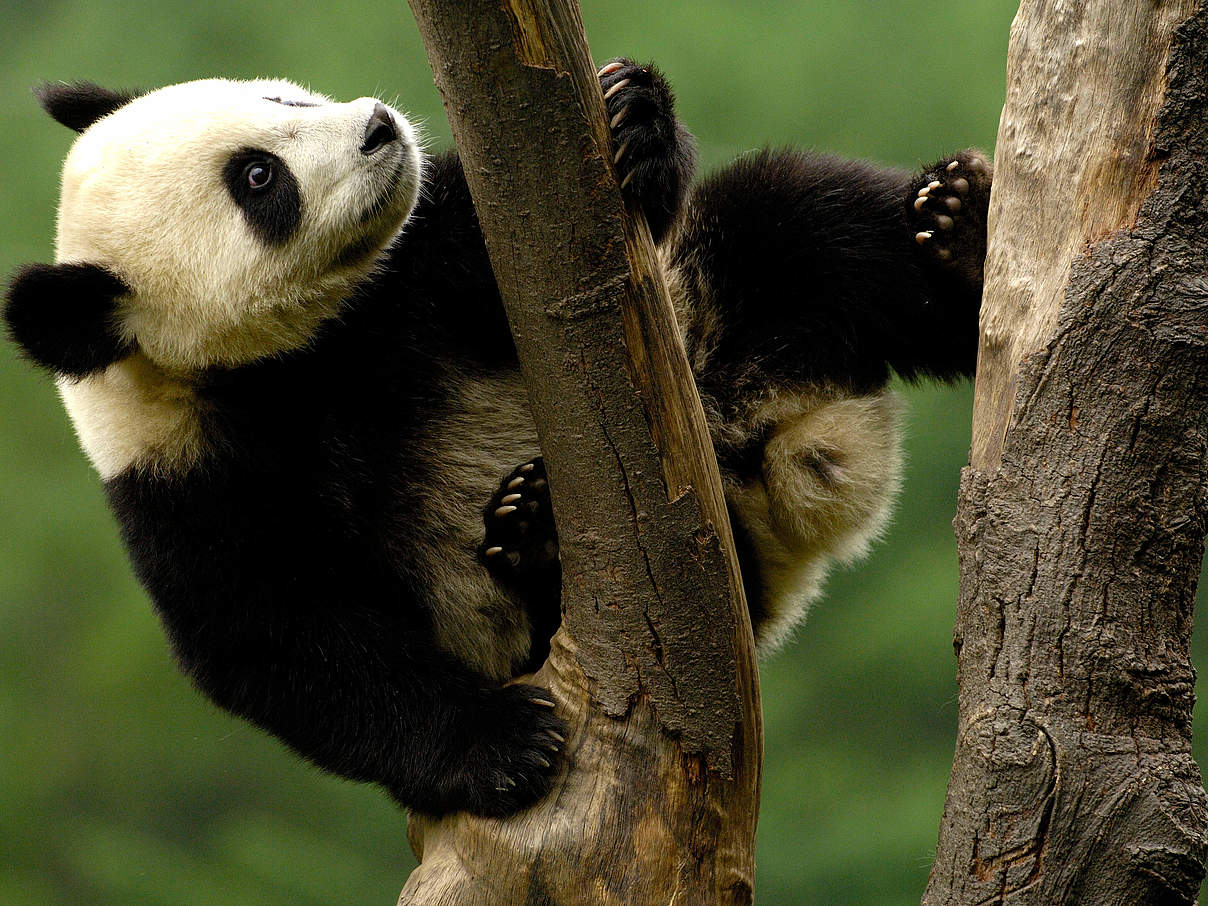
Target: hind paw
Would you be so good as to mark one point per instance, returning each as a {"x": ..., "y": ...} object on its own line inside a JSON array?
[{"x": 946, "y": 210}]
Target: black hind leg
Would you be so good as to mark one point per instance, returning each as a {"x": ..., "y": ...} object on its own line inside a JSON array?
[
  {"x": 654, "y": 155},
  {"x": 946, "y": 208}
]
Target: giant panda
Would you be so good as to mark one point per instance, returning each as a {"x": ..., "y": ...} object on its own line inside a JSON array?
[{"x": 274, "y": 326}]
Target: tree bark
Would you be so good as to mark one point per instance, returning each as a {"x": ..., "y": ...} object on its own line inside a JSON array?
[
  {"x": 1082, "y": 513},
  {"x": 654, "y": 666}
]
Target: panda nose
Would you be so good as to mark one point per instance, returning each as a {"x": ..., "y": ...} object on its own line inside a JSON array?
[{"x": 380, "y": 130}]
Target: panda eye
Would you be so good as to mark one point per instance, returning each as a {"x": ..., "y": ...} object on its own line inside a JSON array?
[{"x": 258, "y": 175}]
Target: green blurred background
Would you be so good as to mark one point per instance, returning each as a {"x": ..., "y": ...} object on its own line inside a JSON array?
[{"x": 119, "y": 784}]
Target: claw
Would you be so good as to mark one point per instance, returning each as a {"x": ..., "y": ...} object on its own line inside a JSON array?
[
  {"x": 952, "y": 166},
  {"x": 919, "y": 202},
  {"x": 504, "y": 510},
  {"x": 620, "y": 152},
  {"x": 492, "y": 551},
  {"x": 515, "y": 483},
  {"x": 544, "y": 702},
  {"x": 544, "y": 762},
  {"x": 557, "y": 736},
  {"x": 922, "y": 237},
  {"x": 528, "y": 466},
  {"x": 609, "y": 68},
  {"x": 615, "y": 88},
  {"x": 616, "y": 120},
  {"x": 511, "y": 498},
  {"x": 925, "y": 191},
  {"x": 934, "y": 184},
  {"x": 625, "y": 181}
]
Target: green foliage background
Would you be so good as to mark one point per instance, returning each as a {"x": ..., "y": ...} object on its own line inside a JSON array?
[{"x": 119, "y": 784}]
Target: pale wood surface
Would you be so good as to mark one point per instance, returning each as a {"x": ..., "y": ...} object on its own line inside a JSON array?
[{"x": 1082, "y": 515}]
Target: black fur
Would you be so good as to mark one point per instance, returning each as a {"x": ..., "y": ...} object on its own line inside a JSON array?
[
  {"x": 77, "y": 105},
  {"x": 520, "y": 548},
  {"x": 283, "y": 564},
  {"x": 64, "y": 316},
  {"x": 273, "y": 211}
]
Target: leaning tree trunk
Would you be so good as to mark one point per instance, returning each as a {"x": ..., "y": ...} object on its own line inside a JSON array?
[
  {"x": 654, "y": 666},
  {"x": 1082, "y": 513}
]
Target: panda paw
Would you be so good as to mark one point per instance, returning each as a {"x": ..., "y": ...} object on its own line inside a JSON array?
[
  {"x": 946, "y": 209},
  {"x": 515, "y": 753},
  {"x": 521, "y": 542},
  {"x": 652, "y": 154}
]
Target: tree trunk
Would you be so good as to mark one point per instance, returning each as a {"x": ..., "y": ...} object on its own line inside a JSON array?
[
  {"x": 1082, "y": 513},
  {"x": 654, "y": 666}
]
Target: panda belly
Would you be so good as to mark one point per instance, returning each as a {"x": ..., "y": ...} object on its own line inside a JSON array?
[{"x": 480, "y": 432}]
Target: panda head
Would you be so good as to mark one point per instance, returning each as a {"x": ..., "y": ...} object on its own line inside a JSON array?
[{"x": 210, "y": 223}]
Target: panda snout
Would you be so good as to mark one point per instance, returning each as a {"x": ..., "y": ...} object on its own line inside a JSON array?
[{"x": 380, "y": 130}]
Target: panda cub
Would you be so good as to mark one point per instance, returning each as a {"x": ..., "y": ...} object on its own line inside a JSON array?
[{"x": 276, "y": 331}]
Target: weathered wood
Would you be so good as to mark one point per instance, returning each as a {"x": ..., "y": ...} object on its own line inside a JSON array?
[
  {"x": 1082, "y": 514},
  {"x": 654, "y": 666}
]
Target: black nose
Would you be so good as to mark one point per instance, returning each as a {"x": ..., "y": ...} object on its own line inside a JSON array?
[{"x": 380, "y": 130}]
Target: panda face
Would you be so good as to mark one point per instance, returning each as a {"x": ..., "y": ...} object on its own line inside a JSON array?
[{"x": 239, "y": 215}]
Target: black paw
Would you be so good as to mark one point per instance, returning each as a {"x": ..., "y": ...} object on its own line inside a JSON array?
[
  {"x": 521, "y": 543},
  {"x": 520, "y": 550},
  {"x": 653, "y": 155},
  {"x": 946, "y": 209},
  {"x": 513, "y": 757}
]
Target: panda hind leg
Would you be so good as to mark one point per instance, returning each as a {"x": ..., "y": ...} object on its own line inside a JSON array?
[{"x": 946, "y": 209}]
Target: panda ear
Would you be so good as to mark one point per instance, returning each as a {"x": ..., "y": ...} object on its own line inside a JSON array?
[
  {"x": 77, "y": 105},
  {"x": 64, "y": 317}
]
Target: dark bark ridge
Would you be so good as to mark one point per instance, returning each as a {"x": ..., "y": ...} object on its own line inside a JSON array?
[{"x": 1073, "y": 780}]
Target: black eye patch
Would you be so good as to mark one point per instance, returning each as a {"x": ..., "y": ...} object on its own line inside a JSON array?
[
  {"x": 266, "y": 191},
  {"x": 285, "y": 103}
]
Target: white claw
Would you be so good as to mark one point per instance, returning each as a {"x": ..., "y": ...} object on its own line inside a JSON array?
[
  {"x": 953, "y": 203},
  {"x": 616, "y": 120},
  {"x": 528, "y": 466},
  {"x": 943, "y": 221},
  {"x": 492, "y": 551},
  {"x": 616, "y": 159},
  {"x": 544, "y": 761},
  {"x": 515, "y": 482},
  {"x": 934, "y": 184},
  {"x": 608, "y": 68},
  {"x": 615, "y": 88},
  {"x": 504, "y": 510},
  {"x": 920, "y": 238},
  {"x": 625, "y": 181},
  {"x": 952, "y": 166},
  {"x": 544, "y": 702},
  {"x": 557, "y": 736},
  {"x": 919, "y": 202},
  {"x": 511, "y": 498},
  {"x": 925, "y": 191}
]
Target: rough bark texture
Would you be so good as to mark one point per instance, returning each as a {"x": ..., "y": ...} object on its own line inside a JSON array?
[
  {"x": 654, "y": 666},
  {"x": 1082, "y": 515}
]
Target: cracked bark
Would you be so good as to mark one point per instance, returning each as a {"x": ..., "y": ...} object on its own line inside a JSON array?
[
  {"x": 1082, "y": 513},
  {"x": 654, "y": 666}
]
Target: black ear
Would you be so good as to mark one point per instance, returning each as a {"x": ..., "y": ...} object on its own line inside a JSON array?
[
  {"x": 77, "y": 105},
  {"x": 64, "y": 316}
]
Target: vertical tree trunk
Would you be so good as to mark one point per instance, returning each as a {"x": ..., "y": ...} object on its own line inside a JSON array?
[
  {"x": 654, "y": 666},
  {"x": 1082, "y": 513}
]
